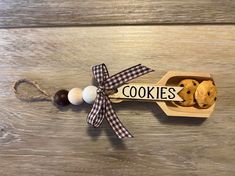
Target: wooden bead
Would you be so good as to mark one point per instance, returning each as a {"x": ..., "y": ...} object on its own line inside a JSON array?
[
  {"x": 61, "y": 98},
  {"x": 89, "y": 94},
  {"x": 75, "y": 96}
]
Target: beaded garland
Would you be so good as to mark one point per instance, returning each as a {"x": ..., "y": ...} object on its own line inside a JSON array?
[
  {"x": 62, "y": 97},
  {"x": 75, "y": 96}
]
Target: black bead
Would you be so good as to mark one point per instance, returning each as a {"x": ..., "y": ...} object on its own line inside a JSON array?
[{"x": 61, "y": 98}]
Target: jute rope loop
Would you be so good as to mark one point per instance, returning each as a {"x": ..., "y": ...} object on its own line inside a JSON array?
[{"x": 25, "y": 97}]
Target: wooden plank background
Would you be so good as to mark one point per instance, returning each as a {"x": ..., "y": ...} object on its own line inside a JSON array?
[
  {"x": 15, "y": 13},
  {"x": 39, "y": 139}
]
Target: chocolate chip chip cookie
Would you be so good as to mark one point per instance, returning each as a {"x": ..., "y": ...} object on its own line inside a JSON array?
[
  {"x": 188, "y": 91},
  {"x": 206, "y": 94}
]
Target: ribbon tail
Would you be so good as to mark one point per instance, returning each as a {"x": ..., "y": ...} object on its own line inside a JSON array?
[
  {"x": 114, "y": 121},
  {"x": 96, "y": 115},
  {"x": 126, "y": 75}
]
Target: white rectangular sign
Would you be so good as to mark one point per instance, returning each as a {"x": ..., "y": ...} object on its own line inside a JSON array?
[{"x": 148, "y": 92}]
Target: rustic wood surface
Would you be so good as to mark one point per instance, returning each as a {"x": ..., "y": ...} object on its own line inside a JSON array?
[
  {"x": 15, "y": 13},
  {"x": 39, "y": 139}
]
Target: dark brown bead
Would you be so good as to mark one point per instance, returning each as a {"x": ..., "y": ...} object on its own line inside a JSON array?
[{"x": 61, "y": 98}]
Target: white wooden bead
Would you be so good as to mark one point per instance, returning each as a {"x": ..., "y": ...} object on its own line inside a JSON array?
[
  {"x": 75, "y": 96},
  {"x": 89, "y": 94}
]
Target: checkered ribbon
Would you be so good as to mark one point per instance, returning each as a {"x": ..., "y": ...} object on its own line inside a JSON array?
[{"x": 102, "y": 107}]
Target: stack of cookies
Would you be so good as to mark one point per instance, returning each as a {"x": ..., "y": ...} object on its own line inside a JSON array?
[{"x": 202, "y": 95}]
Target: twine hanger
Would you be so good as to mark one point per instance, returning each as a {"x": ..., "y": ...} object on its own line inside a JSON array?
[{"x": 26, "y": 97}]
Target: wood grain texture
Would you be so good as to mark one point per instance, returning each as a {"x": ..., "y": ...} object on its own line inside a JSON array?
[
  {"x": 39, "y": 139},
  {"x": 29, "y": 13}
]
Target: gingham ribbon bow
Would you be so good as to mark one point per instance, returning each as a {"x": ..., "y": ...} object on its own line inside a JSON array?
[{"x": 102, "y": 107}]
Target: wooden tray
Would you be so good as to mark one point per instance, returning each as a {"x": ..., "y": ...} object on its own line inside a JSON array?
[{"x": 172, "y": 78}]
